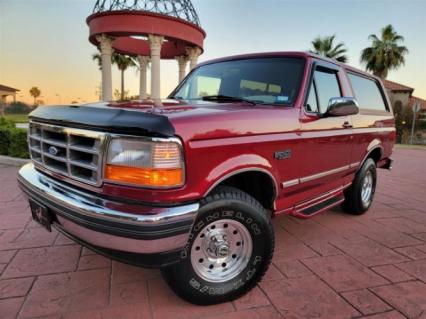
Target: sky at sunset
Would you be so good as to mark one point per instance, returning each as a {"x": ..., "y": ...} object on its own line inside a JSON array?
[{"x": 44, "y": 42}]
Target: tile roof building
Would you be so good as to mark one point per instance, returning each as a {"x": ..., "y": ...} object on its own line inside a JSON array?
[
  {"x": 416, "y": 100},
  {"x": 396, "y": 87},
  {"x": 399, "y": 93}
]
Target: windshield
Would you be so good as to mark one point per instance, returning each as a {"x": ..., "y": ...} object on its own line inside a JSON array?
[{"x": 260, "y": 80}]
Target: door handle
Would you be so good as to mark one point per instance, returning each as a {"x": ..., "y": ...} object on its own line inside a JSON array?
[{"x": 347, "y": 125}]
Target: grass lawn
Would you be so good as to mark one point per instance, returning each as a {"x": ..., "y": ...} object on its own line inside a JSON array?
[{"x": 17, "y": 118}]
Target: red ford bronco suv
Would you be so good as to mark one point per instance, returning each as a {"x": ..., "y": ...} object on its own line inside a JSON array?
[{"x": 191, "y": 185}]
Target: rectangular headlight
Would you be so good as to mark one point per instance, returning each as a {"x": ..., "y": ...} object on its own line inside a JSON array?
[{"x": 145, "y": 163}]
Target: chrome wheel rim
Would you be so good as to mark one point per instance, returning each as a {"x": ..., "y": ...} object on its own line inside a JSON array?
[
  {"x": 221, "y": 250},
  {"x": 367, "y": 188}
]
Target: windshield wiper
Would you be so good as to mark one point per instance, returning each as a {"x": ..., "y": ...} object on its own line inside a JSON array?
[
  {"x": 175, "y": 97},
  {"x": 227, "y": 98}
]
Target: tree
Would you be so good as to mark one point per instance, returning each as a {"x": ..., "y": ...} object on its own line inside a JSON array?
[
  {"x": 98, "y": 58},
  {"x": 35, "y": 93},
  {"x": 2, "y": 106},
  {"x": 325, "y": 46},
  {"x": 385, "y": 53},
  {"x": 117, "y": 95},
  {"x": 123, "y": 62}
]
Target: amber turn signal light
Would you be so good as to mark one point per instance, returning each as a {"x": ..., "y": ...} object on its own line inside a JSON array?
[{"x": 144, "y": 176}]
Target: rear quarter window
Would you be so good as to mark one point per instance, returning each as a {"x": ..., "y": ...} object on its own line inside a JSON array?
[{"x": 367, "y": 93}]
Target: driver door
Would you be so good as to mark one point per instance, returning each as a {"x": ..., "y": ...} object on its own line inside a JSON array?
[{"x": 326, "y": 142}]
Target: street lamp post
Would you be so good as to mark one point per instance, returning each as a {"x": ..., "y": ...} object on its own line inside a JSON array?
[{"x": 416, "y": 108}]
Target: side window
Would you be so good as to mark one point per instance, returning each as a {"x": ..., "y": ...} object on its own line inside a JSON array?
[
  {"x": 327, "y": 87},
  {"x": 367, "y": 93},
  {"x": 312, "y": 104}
]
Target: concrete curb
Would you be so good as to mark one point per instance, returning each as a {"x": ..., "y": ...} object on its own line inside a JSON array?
[{"x": 13, "y": 161}]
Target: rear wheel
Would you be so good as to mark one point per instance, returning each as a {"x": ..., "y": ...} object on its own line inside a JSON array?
[
  {"x": 229, "y": 249},
  {"x": 359, "y": 196}
]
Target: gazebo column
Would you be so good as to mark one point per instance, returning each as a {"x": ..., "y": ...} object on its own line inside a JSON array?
[
  {"x": 155, "y": 43},
  {"x": 105, "y": 44},
  {"x": 193, "y": 54},
  {"x": 143, "y": 66},
  {"x": 182, "y": 62}
]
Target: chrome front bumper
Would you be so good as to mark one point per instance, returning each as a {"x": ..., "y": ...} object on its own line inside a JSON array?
[{"x": 106, "y": 224}]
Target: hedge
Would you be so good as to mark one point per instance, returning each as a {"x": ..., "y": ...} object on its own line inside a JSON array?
[
  {"x": 13, "y": 141},
  {"x": 4, "y": 140},
  {"x": 17, "y": 108},
  {"x": 6, "y": 123}
]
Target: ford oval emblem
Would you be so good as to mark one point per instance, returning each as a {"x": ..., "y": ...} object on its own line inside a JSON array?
[{"x": 53, "y": 150}]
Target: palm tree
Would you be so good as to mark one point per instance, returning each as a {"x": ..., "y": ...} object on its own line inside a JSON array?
[
  {"x": 325, "y": 46},
  {"x": 122, "y": 61},
  {"x": 35, "y": 93},
  {"x": 98, "y": 58},
  {"x": 385, "y": 52}
]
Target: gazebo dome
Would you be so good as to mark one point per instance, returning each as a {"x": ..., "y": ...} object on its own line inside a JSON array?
[{"x": 182, "y": 9}]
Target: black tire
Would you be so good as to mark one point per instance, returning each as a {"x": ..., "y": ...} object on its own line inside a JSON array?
[
  {"x": 354, "y": 204},
  {"x": 227, "y": 203}
]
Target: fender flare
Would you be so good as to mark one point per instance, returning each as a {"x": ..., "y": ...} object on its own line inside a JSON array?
[
  {"x": 240, "y": 164},
  {"x": 374, "y": 145}
]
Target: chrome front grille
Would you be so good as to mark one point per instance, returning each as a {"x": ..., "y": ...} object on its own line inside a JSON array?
[{"x": 74, "y": 153}]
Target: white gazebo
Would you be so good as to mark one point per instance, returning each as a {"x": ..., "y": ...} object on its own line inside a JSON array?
[
  {"x": 150, "y": 30},
  {"x": 6, "y": 91}
]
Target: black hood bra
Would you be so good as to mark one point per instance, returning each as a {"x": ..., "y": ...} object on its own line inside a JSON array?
[{"x": 114, "y": 120}]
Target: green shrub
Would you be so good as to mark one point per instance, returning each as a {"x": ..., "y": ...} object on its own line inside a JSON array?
[
  {"x": 18, "y": 143},
  {"x": 5, "y": 123},
  {"x": 4, "y": 140},
  {"x": 13, "y": 141}
]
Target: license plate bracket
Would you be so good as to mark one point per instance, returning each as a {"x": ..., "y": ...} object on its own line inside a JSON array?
[{"x": 41, "y": 214}]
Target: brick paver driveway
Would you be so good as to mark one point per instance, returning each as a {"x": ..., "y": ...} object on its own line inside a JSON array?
[{"x": 331, "y": 266}]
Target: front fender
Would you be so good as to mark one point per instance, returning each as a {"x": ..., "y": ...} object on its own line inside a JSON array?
[{"x": 236, "y": 165}]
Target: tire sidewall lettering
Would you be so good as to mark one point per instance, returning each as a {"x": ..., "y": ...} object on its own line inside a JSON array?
[{"x": 242, "y": 279}]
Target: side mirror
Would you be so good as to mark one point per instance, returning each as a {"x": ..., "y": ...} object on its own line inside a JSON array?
[{"x": 342, "y": 106}]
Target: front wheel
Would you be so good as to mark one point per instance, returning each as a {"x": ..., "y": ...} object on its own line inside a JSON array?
[
  {"x": 359, "y": 196},
  {"x": 229, "y": 249}
]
